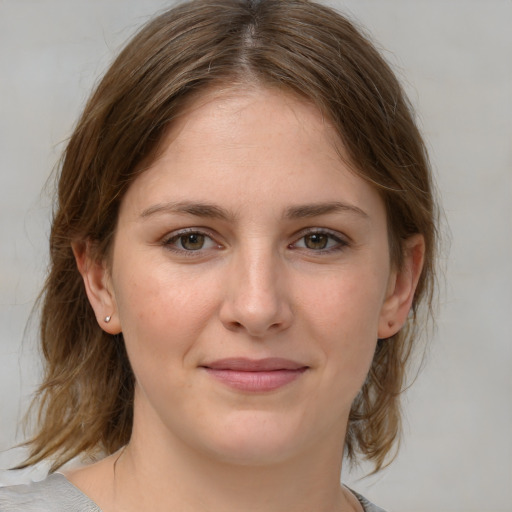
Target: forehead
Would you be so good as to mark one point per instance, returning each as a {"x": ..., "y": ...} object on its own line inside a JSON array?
[
  {"x": 273, "y": 144},
  {"x": 250, "y": 110}
]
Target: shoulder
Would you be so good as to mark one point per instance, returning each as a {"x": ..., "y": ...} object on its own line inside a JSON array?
[
  {"x": 53, "y": 494},
  {"x": 367, "y": 505}
]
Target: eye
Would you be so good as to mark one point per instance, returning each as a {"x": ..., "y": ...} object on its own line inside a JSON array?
[
  {"x": 320, "y": 241},
  {"x": 317, "y": 241},
  {"x": 189, "y": 241}
]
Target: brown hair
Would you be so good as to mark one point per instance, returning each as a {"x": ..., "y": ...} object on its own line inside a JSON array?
[{"x": 85, "y": 401}]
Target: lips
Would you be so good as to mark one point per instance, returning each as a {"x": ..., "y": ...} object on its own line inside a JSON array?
[{"x": 255, "y": 375}]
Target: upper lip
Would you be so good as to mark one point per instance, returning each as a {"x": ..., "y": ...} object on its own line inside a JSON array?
[{"x": 243, "y": 364}]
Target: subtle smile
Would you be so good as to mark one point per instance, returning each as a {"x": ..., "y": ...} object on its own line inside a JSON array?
[{"x": 253, "y": 375}]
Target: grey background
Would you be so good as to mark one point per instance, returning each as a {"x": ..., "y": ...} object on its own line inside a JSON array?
[{"x": 455, "y": 58}]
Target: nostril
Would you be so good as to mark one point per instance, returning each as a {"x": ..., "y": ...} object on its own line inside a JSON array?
[{"x": 234, "y": 326}]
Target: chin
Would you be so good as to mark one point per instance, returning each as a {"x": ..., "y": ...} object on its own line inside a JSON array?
[{"x": 255, "y": 441}]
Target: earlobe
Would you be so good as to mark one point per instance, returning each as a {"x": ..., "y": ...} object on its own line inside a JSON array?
[
  {"x": 98, "y": 286},
  {"x": 401, "y": 288}
]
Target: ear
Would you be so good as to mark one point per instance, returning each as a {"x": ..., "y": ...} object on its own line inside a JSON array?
[
  {"x": 98, "y": 286},
  {"x": 401, "y": 287}
]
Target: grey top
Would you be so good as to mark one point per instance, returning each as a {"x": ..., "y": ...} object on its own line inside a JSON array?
[
  {"x": 54, "y": 494},
  {"x": 57, "y": 494}
]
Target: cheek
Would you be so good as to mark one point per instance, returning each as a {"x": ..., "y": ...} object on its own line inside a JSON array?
[
  {"x": 344, "y": 318},
  {"x": 162, "y": 312},
  {"x": 345, "y": 305}
]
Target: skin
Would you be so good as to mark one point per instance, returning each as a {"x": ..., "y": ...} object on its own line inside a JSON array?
[{"x": 262, "y": 193}]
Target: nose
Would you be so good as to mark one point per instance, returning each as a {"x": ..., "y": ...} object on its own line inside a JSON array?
[{"x": 256, "y": 299}]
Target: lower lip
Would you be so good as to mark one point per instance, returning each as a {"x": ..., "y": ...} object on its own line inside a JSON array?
[{"x": 256, "y": 381}]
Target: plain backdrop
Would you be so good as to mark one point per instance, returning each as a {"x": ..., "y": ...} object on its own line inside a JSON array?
[{"x": 455, "y": 60}]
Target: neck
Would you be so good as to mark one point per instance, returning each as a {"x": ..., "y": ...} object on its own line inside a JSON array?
[{"x": 178, "y": 478}]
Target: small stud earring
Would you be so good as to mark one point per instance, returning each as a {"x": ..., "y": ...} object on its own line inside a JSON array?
[{"x": 107, "y": 319}]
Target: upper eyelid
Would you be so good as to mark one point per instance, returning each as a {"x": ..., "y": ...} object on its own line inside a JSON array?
[
  {"x": 342, "y": 241},
  {"x": 331, "y": 232},
  {"x": 184, "y": 231},
  {"x": 170, "y": 242}
]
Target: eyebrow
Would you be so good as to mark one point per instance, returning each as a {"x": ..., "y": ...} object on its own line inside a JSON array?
[
  {"x": 212, "y": 211},
  {"x": 189, "y": 208},
  {"x": 317, "y": 209}
]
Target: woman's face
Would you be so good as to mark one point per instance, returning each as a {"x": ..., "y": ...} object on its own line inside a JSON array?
[{"x": 251, "y": 279}]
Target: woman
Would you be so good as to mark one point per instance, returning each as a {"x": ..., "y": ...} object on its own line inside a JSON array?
[{"x": 243, "y": 237}]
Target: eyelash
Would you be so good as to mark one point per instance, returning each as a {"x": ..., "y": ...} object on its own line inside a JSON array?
[
  {"x": 339, "y": 243},
  {"x": 170, "y": 242},
  {"x": 174, "y": 238}
]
